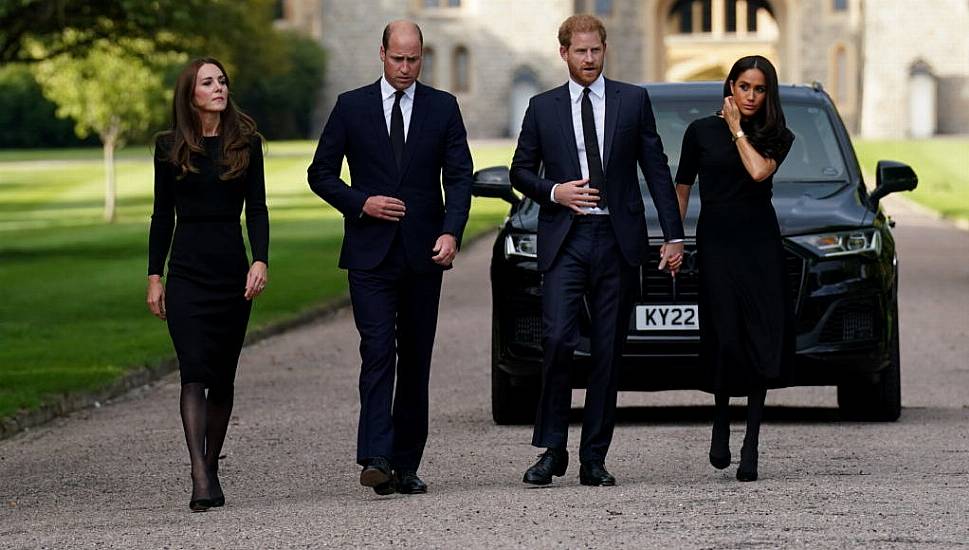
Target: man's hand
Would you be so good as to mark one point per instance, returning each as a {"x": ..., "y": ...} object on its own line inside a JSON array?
[
  {"x": 671, "y": 257},
  {"x": 446, "y": 248},
  {"x": 576, "y": 195},
  {"x": 384, "y": 208}
]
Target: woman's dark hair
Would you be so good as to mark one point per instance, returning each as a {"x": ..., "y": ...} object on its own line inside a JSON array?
[
  {"x": 767, "y": 129},
  {"x": 185, "y": 136}
]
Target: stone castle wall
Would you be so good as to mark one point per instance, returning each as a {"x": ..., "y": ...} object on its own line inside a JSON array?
[
  {"x": 881, "y": 40},
  {"x": 897, "y": 35}
]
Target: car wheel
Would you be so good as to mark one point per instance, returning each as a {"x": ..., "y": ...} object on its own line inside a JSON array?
[
  {"x": 881, "y": 401},
  {"x": 514, "y": 400}
]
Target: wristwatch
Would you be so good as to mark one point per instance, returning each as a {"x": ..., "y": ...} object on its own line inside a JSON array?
[{"x": 740, "y": 134}]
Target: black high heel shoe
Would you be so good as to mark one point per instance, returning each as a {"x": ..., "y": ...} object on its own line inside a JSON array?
[
  {"x": 200, "y": 504},
  {"x": 218, "y": 497},
  {"x": 747, "y": 471},
  {"x": 720, "y": 445}
]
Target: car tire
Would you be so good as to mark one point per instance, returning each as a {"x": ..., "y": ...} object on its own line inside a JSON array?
[
  {"x": 514, "y": 400},
  {"x": 881, "y": 401}
]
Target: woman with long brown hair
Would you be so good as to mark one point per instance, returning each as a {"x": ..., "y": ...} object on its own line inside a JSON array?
[
  {"x": 746, "y": 314},
  {"x": 207, "y": 166}
]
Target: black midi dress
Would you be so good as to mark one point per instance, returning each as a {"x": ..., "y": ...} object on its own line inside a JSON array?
[
  {"x": 746, "y": 308},
  {"x": 196, "y": 218}
]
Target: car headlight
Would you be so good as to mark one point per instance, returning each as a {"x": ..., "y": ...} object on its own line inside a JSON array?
[
  {"x": 842, "y": 243},
  {"x": 524, "y": 245}
]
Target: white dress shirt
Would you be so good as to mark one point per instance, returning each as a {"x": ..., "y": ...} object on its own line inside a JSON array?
[
  {"x": 597, "y": 95},
  {"x": 406, "y": 103}
]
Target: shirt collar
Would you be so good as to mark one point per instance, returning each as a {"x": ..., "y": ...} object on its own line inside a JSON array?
[
  {"x": 387, "y": 91},
  {"x": 597, "y": 88}
]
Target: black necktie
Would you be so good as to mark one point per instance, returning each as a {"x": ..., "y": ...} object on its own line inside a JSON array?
[
  {"x": 597, "y": 179},
  {"x": 397, "y": 129}
]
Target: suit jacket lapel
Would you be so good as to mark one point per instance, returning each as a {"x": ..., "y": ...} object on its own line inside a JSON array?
[
  {"x": 385, "y": 151},
  {"x": 563, "y": 102},
  {"x": 613, "y": 99},
  {"x": 417, "y": 116}
]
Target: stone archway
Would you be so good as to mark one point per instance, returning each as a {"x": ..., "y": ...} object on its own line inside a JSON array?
[{"x": 700, "y": 39}]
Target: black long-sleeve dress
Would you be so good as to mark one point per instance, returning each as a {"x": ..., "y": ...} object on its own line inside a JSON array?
[
  {"x": 207, "y": 267},
  {"x": 746, "y": 311}
]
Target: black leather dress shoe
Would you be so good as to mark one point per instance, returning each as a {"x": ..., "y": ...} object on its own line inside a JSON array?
[
  {"x": 377, "y": 474},
  {"x": 552, "y": 462},
  {"x": 594, "y": 473},
  {"x": 409, "y": 484}
]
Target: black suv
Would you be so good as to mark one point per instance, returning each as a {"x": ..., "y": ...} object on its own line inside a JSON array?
[{"x": 841, "y": 265}]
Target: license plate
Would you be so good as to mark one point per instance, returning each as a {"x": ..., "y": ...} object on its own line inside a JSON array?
[{"x": 667, "y": 317}]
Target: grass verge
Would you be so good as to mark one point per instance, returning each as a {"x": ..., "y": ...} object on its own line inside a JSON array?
[
  {"x": 73, "y": 318},
  {"x": 942, "y": 165}
]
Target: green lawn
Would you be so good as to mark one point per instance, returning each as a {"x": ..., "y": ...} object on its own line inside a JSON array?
[
  {"x": 73, "y": 316},
  {"x": 942, "y": 166}
]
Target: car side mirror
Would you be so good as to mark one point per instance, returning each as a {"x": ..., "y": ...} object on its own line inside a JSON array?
[
  {"x": 892, "y": 177},
  {"x": 494, "y": 182}
]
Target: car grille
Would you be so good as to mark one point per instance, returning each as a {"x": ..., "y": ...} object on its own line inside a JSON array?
[
  {"x": 658, "y": 285},
  {"x": 850, "y": 321},
  {"x": 528, "y": 330}
]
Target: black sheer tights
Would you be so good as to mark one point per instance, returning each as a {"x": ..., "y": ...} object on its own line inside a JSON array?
[{"x": 205, "y": 419}]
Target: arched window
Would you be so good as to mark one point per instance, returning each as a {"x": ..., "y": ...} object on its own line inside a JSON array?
[
  {"x": 428, "y": 66},
  {"x": 603, "y": 7},
  {"x": 724, "y": 16},
  {"x": 461, "y": 70},
  {"x": 839, "y": 77}
]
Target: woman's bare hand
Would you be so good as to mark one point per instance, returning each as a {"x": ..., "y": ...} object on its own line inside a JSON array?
[{"x": 155, "y": 296}]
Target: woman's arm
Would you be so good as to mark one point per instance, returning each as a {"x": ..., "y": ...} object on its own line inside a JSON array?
[
  {"x": 758, "y": 166},
  {"x": 160, "y": 232},
  {"x": 257, "y": 222},
  {"x": 683, "y": 197}
]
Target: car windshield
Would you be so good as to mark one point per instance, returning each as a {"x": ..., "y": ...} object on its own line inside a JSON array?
[{"x": 814, "y": 157}]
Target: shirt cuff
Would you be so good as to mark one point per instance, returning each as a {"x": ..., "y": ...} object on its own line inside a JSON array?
[
  {"x": 673, "y": 241},
  {"x": 552, "y": 194}
]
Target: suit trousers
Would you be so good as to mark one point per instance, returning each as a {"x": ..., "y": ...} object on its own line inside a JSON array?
[
  {"x": 589, "y": 268},
  {"x": 395, "y": 311}
]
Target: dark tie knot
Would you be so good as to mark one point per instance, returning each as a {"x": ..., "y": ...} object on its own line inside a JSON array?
[
  {"x": 586, "y": 91},
  {"x": 398, "y": 94}
]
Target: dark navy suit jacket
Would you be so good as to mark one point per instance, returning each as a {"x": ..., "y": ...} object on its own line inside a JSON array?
[
  {"x": 548, "y": 139},
  {"x": 436, "y": 152}
]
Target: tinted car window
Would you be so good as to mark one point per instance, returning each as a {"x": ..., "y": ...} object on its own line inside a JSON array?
[{"x": 815, "y": 155}]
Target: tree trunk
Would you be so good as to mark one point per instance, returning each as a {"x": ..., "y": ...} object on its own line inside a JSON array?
[{"x": 110, "y": 189}]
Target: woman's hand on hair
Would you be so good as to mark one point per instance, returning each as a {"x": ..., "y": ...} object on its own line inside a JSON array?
[
  {"x": 731, "y": 114},
  {"x": 256, "y": 280}
]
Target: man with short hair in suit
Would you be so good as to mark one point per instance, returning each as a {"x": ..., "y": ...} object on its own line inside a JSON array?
[
  {"x": 402, "y": 140},
  {"x": 589, "y": 135}
]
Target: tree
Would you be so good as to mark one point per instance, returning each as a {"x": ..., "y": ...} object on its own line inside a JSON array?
[
  {"x": 27, "y": 118},
  {"x": 281, "y": 98},
  {"x": 111, "y": 92},
  {"x": 36, "y": 30}
]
